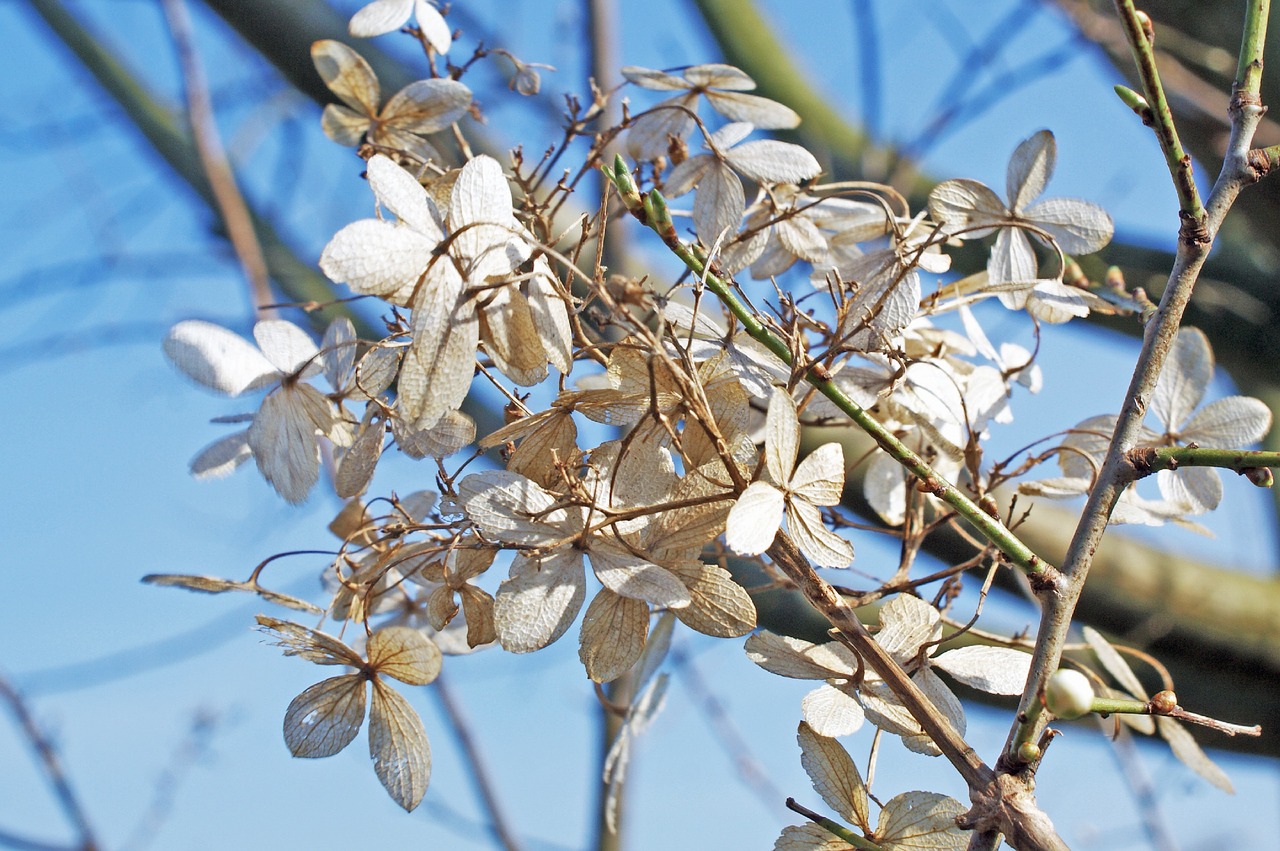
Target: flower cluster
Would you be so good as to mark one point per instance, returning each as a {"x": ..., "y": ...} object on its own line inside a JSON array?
[{"x": 654, "y": 447}]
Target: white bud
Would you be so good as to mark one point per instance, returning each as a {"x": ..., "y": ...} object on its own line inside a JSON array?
[{"x": 1068, "y": 694}]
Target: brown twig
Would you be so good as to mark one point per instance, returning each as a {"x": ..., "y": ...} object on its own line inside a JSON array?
[
  {"x": 47, "y": 755},
  {"x": 213, "y": 159},
  {"x": 457, "y": 719}
]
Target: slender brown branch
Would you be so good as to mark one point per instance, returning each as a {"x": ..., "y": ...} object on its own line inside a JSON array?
[
  {"x": 457, "y": 718},
  {"x": 213, "y": 159},
  {"x": 47, "y": 755}
]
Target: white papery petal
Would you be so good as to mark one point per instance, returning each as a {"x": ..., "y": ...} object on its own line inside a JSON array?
[
  {"x": 1184, "y": 378},
  {"x": 922, "y": 820},
  {"x": 754, "y": 519},
  {"x": 782, "y": 437},
  {"x": 687, "y": 175},
  {"x": 374, "y": 257},
  {"x": 433, "y": 26},
  {"x": 629, "y": 575},
  {"x": 771, "y": 161},
  {"x": 963, "y": 204},
  {"x": 650, "y": 133},
  {"x": 946, "y": 702},
  {"x": 503, "y": 504},
  {"x": 1199, "y": 488},
  {"x": 718, "y": 206},
  {"x": 348, "y": 75},
  {"x": 886, "y": 489},
  {"x": 344, "y": 125},
  {"x": 995, "y": 670},
  {"x": 822, "y": 546},
  {"x": 481, "y": 197},
  {"x": 798, "y": 659},
  {"x": 425, "y": 107},
  {"x": 221, "y": 457},
  {"x": 217, "y": 358},
  {"x": 729, "y": 135},
  {"x": 1231, "y": 423},
  {"x": 820, "y": 477},
  {"x": 400, "y": 192},
  {"x": 286, "y": 345},
  {"x": 831, "y": 712},
  {"x": 551, "y": 317},
  {"x": 907, "y": 622},
  {"x": 1030, "y": 168},
  {"x": 380, "y": 17},
  {"x": 539, "y": 602},
  {"x": 325, "y": 717},
  {"x": 1079, "y": 227},
  {"x": 398, "y": 746},
  {"x": 719, "y": 76},
  {"x": 283, "y": 439},
  {"x": 1055, "y": 302},
  {"x": 762, "y": 112},
  {"x": 338, "y": 353},
  {"x": 437, "y": 370},
  {"x": 1012, "y": 260},
  {"x": 656, "y": 80}
]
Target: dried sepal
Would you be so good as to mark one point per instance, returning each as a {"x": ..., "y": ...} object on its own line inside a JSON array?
[
  {"x": 613, "y": 635},
  {"x": 834, "y": 776},
  {"x": 398, "y": 746},
  {"x": 325, "y": 717},
  {"x": 718, "y": 606},
  {"x": 921, "y": 820},
  {"x": 215, "y": 585}
]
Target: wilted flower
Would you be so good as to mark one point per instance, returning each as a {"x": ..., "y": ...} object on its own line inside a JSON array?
[
  {"x": 723, "y": 86},
  {"x": 282, "y": 437},
  {"x": 907, "y": 624},
  {"x": 325, "y": 718},
  {"x": 719, "y": 202},
  {"x": 971, "y": 210},
  {"x": 399, "y": 261},
  {"x": 1230, "y": 423},
  {"x": 910, "y": 821},
  {"x": 412, "y": 114},
  {"x": 796, "y": 491}
]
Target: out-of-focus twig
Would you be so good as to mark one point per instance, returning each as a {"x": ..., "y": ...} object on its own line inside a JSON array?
[
  {"x": 457, "y": 719},
  {"x": 47, "y": 755},
  {"x": 213, "y": 159}
]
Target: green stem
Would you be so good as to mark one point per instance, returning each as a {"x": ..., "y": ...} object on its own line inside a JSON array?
[
  {"x": 1177, "y": 159},
  {"x": 1252, "y": 43},
  {"x": 832, "y": 827},
  {"x": 650, "y": 208},
  {"x": 1147, "y": 461},
  {"x": 1119, "y": 706}
]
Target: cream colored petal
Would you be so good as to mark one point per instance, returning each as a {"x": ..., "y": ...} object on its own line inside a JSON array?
[
  {"x": 398, "y": 746},
  {"x": 325, "y": 717},
  {"x": 613, "y": 635},
  {"x": 347, "y": 75}
]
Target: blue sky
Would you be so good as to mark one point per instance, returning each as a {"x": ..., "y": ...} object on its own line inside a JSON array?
[{"x": 104, "y": 251}]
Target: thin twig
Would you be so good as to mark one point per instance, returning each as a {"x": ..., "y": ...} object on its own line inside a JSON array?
[
  {"x": 213, "y": 159},
  {"x": 47, "y": 755},
  {"x": 457, "y": 719}
]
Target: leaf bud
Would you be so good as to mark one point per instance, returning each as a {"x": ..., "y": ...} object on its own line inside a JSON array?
[
  {"x": 1029, "y": 752},
  {"x": 1068, "y": 694},
  {"x": 1164, "y": 702},
  {"x": 659, "y": 217},
  {"x": 1260, "y": 476},
  {"x": 621, "y": 177},
  {"x": 1148, "y": 28}
]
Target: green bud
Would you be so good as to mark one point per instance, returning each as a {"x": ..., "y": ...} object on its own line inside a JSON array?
[{"x": 1029, "y": 752}]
